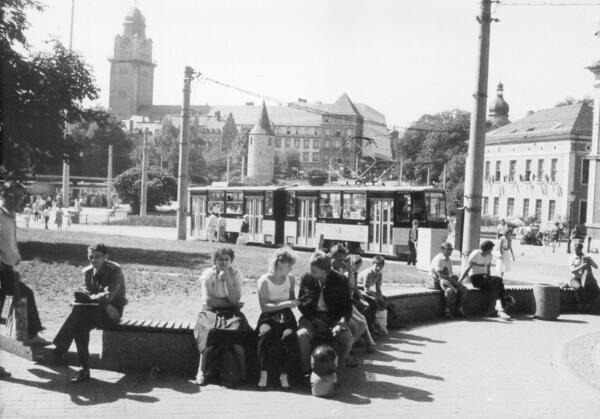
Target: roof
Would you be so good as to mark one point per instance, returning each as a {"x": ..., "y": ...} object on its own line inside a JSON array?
[
  {"x": 343, "y": 106},
  {"x": 571, "y": 120},
  {"x": 158, "y": 112},
  {"x": 263, "y": 125}
]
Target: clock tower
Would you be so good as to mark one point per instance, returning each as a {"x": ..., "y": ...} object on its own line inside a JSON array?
[{"x": 131, "y": 68}]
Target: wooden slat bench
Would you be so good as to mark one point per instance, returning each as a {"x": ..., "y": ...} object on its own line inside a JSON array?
[{"x": 145, "y": 344}]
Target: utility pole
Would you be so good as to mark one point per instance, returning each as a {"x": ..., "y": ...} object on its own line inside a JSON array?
[
  {"x": 109, "y": 177},
  {"x": 444, "y": 177},
  {"x": 243, "y": 169},
  {"x": 401, "y": 169},
  {"x": 475, "y": 156},
  {"x": 144, "y": 193},
  {"x": 428, "y": 174},
  {"x": 66, "y": 169},
  {"x": 184, "y": 144},
  {"x": 227, "y": 172}
]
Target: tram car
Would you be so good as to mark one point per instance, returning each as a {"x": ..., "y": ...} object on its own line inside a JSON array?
[{"x": 368, "y": 219}]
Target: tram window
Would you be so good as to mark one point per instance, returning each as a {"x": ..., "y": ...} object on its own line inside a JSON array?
[
  {"x": 355, "y": 206},
  {"x": 291, "y": 204},
  {"x": 216, "y": 201},
  {"x": 404, "y": 204},
  {"x": 419, "y": 206},
  {"x": 330, "y": 205},
  {"x": 436, "y": 206},
  {"x": 235, "y": 202},
  {"x": 268, "y": 203}
]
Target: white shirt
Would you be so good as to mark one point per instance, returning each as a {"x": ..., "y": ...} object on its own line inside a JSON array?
[
  {"x": 9, "y": 252},
  {"x": 213, "y": 287},
  {"x": 275, "y": 293},
  {"x": 502, "y": 229},
  {"x": 480, "y": 263},
  {"x": 438, "y": 264}
]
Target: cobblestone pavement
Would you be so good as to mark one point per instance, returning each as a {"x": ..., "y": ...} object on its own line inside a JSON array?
[{"x": 465, "y": 369}]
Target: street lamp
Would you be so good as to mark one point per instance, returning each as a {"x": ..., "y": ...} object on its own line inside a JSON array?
[{"x": 571, "y": 199}]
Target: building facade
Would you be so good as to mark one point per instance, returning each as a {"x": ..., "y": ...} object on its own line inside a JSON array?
[{"x": 536, "y": 166}]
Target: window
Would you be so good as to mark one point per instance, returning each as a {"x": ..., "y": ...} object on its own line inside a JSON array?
[
  {"x": 510, "y": 207},
  {"x": 404, "y": 203},
  {"x": 526, "y": 207},
  {"x": 287, "y": 142},
  {"x": 551, "y": 209},
  {"x": 355, "y": 205},
  {"x": 486, "y": 173},
  {"x": 306, "y": 143},
  {"x": 291, "y": 204},
  {"x": 234, "y": 203},
  {"x": 270, "y": 141},
  {"x": 527, "y": 170},
  {"x": 297, "y": 131},
  {"x": 305, "y": 156},
  {"x": 315, "y": 156},
  {"x": 553, "y": 169},
  {"x": 496, "y": 204},
  {"x": 316, "y": 143},
  {"x": 582, "y": 211},
  {"x": 540, "y": 170},
  {"x": 585, "y": 171},
  {"x": 269, "y": 203},
  {"x": 215, "y": 201},
  {"x": 348, "y": 131},
  {"x": 337, "y": 143},
  {"x": 538, "y": 209},
  {"x": 330, "y": 204},
  {"x": 512, "y": 166},
  {"x": 316, "y": 131},
  {"x": 327, "y": 131},
  {"x": 326, "y": 143},
  {"x": 338, "y": 133},
  {"x": 288, "y": 131},
  {"x": 122, "y": 93},
  {"x": 123, "y": 70},
  {"x": 436, "y": 206},
  {"x": 486, "y": 202},
  {"x": 277, "y": 142},
  {"x": 497, "y": 173},
  {"x": 296, "y": 142}
]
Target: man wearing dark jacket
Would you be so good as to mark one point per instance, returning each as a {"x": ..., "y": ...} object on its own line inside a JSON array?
[
  {"x": 326, "y": 307},
  {"x": 100, "y": 306}
]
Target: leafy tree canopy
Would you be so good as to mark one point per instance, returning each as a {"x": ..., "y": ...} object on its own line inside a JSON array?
[{"x": 162, "y": 187}]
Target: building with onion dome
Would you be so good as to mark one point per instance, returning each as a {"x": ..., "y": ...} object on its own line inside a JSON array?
[{"x": 498, "y": 115}]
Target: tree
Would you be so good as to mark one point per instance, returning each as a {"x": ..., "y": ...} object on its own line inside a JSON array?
[
  {"x": 92, "y": 137},
  {"x": 41, "y": 93},
  {"x": 570, "y": 100},
  {"x": 162, "y": 187}
]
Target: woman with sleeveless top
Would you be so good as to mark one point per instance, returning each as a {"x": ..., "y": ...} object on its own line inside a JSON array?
[{"x": 276, "y": 328}]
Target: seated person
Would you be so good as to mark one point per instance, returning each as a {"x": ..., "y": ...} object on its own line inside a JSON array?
[
  {"x": 441, "y": 278},
  {"x": 12, "y": 195},
  {"x": 324, "y": 301},
  {"x": 100, "y": 306},
  {"x": 221, "y": 287},
  {"x": 358, "y": 323},
  {"x": 370, "y": 280},
  {"x": 479, "y": 263},
  {"x": 277, "y": 340},
  {"x": 582, "y": 279}
]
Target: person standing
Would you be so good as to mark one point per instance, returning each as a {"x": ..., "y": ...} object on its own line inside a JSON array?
[
  {"x": 99, "y": 306},
  {"x": 503, "y": 254},
  {"x": 211, "y": 227},
  {"x": 413, "y": 237},
  {"x": 582, "y": 278},
  {"x": 12, "y": 196},
  {"x": 58, "y": 217},
  {"x": 46, "y": 214},
  {"x": 27, "y": 212},
  {"x": 502, "y": 228},
  {"x": 222, "y": 226}
]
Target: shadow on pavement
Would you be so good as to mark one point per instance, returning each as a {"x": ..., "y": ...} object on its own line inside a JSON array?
[
  {"x": 94, "y": 391},
  {"x": 76, "y": 254}
]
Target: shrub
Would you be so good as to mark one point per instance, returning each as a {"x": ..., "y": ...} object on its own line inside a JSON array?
[{"x": 161, "y": 187}]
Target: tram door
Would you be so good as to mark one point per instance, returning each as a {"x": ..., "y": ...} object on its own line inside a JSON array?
[
  {"x": 307, "y": 221},
  {"x": 380, "y": 225},
  {"x": 254, "y": 208},
  {"x": 199, "y": 214}
]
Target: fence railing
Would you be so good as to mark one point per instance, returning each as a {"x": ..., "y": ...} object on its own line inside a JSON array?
[{"x": 152, "y": 220}]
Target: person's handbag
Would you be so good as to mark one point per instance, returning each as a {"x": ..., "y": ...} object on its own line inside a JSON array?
[{"x": 204, "y": 323}]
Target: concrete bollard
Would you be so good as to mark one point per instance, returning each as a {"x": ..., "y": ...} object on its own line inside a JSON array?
[{"x": 547, "y": 301}]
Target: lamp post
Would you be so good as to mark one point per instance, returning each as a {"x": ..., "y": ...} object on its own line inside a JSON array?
[
  {"x": 144, "y": 186},
  {"x": 571, "y": 199}
]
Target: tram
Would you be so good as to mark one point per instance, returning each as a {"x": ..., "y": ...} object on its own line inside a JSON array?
[{"x": 368, "y": 219}]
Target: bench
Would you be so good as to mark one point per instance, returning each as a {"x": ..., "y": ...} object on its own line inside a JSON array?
[{"x": 145, "y": 344}]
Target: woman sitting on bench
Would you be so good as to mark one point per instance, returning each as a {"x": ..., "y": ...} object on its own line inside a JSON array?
[{"x": 221, "y": 325}]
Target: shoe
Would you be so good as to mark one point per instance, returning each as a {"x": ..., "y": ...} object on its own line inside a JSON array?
[
  {"x": 36, "y": 341},
  {"x": 262, "y": 381},
  {"x": 503, "y": 315},
  {"x": 82, "y": 375},
  {"x": 4, "y": 373},
  {"x": 460, "y": 312},
  {"x": 491, "y": 313},
  {"x": 351, "y": 362},
  {"x": 447, "y": 313},
  {"x": 283, "y": 379},
  {"x": 201, "y": 380},
  {"x": 370, "y": 348}
]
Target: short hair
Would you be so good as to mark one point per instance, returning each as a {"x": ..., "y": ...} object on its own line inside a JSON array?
[
  {"x": 415, "y": 221},
  {"x": 283, "y": 255},
  {"x": 486, "y": 245},
  {"x": 447, "y": 245},
  {"x": 355, "y": 261},
  {"x": 338, "y": 249},
  {"x": 321, "y": 260},
  {"x": 98, "y": 247},
  {"x": 378, "y": 260},
  {"x": 223, "y": 251}
]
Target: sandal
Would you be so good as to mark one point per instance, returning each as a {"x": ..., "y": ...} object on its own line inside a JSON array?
[{"x": 4, "y": 373}]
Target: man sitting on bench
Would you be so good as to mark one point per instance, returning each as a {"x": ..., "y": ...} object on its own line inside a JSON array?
[{"x": 100, "y": 306}]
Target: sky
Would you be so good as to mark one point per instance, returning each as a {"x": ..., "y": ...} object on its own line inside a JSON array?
[{"x": 404, "y": 58}]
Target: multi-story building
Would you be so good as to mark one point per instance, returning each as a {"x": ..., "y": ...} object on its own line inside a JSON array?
[
  {"x": 322, "y": 135},
  {"x": 535, "y": 167}
]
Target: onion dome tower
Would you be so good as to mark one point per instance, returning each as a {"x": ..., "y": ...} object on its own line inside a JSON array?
[
  {"x": 261, "y": 151},
  {"x": 499, "y": 110}
]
